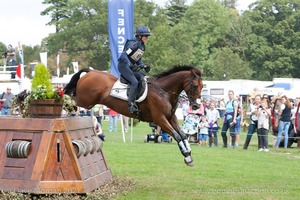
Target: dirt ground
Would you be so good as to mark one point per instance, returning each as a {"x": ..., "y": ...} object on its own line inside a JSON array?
[{"x": 110, "y": 190}]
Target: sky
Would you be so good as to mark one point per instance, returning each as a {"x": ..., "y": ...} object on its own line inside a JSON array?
[{"x": 21, "y": 21}]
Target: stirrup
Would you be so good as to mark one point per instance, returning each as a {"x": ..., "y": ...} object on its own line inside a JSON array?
[{"x": 133, "y": 109}]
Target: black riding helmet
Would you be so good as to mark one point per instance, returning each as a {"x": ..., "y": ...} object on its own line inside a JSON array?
[{"x": 142, "y": 30}]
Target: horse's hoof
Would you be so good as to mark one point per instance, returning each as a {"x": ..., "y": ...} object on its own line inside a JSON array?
[{"x": 189, "y": 161}]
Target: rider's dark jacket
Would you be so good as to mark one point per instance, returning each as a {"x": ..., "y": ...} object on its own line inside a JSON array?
[{"x": 132, "y": 53}]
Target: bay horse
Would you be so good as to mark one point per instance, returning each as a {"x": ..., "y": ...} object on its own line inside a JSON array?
[{"x": 159, "y": 106}]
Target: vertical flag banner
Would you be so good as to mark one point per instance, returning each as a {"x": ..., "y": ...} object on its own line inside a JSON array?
[
  {"x": 75, "y": 67},
  {"x": 20, "y": 68},
  {"x": 120, "y": 28},
  {"x": 20, "y": 53},
  {"x": 43, "y": 56},
  {"x": 57, "y": 65}
]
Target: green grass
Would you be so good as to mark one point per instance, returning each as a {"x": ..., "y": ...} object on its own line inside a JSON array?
[{"x": 160, "y": 173}]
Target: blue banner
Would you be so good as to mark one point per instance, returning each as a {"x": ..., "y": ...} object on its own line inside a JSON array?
[{"x": 120, "y": 28}]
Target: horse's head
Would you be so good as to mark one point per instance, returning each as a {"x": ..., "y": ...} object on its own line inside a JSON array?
[{"x": 194, "y": 87}]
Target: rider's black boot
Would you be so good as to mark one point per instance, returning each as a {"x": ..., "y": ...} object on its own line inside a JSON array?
[{"x": 132, "y": 107}]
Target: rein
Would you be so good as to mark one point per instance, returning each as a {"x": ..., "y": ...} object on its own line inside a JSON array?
[
  {"x": 160, "y": 88},
  {"x": 191, "y": 90}
]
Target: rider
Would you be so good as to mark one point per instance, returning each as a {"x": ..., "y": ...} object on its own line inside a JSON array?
[{"x": 130, "y": 60}]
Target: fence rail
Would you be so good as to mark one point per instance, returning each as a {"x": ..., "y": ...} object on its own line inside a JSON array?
[{"x": 8, "y": 72}]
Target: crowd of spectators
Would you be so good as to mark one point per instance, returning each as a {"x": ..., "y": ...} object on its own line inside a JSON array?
[{"x": 252, "y": 113}]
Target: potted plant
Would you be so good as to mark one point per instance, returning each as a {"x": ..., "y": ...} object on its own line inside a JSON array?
[{"x": 44, "y": 101}]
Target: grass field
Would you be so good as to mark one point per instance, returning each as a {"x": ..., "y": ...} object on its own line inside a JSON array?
[{"x": 159, "y": 172}]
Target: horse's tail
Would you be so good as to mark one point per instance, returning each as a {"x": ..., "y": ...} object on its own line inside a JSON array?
[{"x": 70, "y": 88}]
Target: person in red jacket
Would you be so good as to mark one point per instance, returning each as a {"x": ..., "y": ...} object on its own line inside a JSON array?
[{"x": 113, "y": 117}]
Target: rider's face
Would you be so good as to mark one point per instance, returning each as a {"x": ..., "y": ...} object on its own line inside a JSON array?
[{"x": 144, "y": 38}]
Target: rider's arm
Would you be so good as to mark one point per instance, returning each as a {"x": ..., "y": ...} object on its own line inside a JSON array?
[
  {"x": 125, "y": 59},
  {"x": 140, "y": 63}
]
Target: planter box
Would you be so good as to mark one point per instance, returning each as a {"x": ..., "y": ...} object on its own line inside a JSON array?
[{"x": 45, "y": 108}]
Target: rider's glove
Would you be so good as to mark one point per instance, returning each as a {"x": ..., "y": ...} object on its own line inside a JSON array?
[{"x": 147, "y": 68}]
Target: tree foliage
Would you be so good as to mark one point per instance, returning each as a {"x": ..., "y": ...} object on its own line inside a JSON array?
[
  {"x": 274, "y": 43},
  {"x": 261, "y": 43},
  {"x": 58, "y": 10},
  {"x": 84, "y": 35}
]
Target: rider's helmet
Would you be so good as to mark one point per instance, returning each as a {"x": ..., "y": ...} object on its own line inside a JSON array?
[{"x": 142, "y": 30}]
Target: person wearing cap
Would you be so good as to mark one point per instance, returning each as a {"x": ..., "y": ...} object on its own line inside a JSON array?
[{"x": 130, "y": 63}]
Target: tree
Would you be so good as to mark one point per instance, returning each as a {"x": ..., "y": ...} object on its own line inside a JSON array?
[
  {"x": 83, "y": 35},
  {"x": 3, "y": 49},
  {"x": 229, "y": 3},
  {"x": 175, "y": 10},
  {"x": 168, "y": 48},
  {"x": 274, "y": 43},
  {"x": 58, "y": 10},
  {"x": 206, "y": 23},
  {"x": 226, "y": 61}
]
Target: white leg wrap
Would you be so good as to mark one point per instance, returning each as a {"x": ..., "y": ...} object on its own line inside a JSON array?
[
  {"x": 182, "y": 146},
  {"x": 187, "y": 145}
]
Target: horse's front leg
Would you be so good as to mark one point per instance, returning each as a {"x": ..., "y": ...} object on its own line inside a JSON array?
[
  {"x": 182, "y": 141},
  {"x": 174, "y": 123}
]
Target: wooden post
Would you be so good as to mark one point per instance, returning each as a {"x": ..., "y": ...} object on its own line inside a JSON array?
[{"x": 52, "y": 164}]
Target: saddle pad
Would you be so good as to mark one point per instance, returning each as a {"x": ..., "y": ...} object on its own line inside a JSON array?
[{"x": 119, "y": 90}]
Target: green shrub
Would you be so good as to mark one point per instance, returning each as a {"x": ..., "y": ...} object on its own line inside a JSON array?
[{"x": 41, "y": 83}]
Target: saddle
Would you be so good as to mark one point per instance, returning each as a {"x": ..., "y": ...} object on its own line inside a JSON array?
[{"x": 119, "y": 89}]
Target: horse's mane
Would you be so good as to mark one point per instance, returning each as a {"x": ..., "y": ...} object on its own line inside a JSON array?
[{"x": 175, "y": 69}]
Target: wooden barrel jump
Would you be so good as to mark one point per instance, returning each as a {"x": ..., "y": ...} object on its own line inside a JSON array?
[{"x": 49, "y": 156}]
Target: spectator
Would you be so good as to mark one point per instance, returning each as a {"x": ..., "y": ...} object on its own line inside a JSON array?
[
  {"x": 98, "y": 129},
  {"x": 6, "y": 100},
  {"x": 253, "y": 113},
  {"x": 222, "y": 108},
  {"x": 284, "y": 121},
  {"x": 265, "y": 98},
  {"x": 113, "y": 117},
  {"x": 98, "y": 112},
  {"x": 239, "y": 122},
  {"x": 125, "y": 122},
  {"x": 203, "y": 131},
  {"x": 83, "y": 112},
  {"x": 185, "y": 108},
  {"x": 264, "y": 113},
  {"x": 229, "y": 119},
  {"x": 11, "y": 56},
  {"x": 198, "y": 112},
  {"x": 212, "y": 116}
]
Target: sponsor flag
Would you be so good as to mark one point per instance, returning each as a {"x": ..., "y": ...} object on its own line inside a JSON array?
[
  {"x": 120, "y": 28},
  {"x": 57, "y": 65},
  {"x": 20, "y": 53},
  {"x": 75, "y": 67},
  {"x": 43, "y": 56},
  {"x": 20, "y": 68}
]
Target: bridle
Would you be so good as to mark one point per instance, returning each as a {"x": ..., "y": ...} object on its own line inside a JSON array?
[{"x": 192, "y": 92}]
